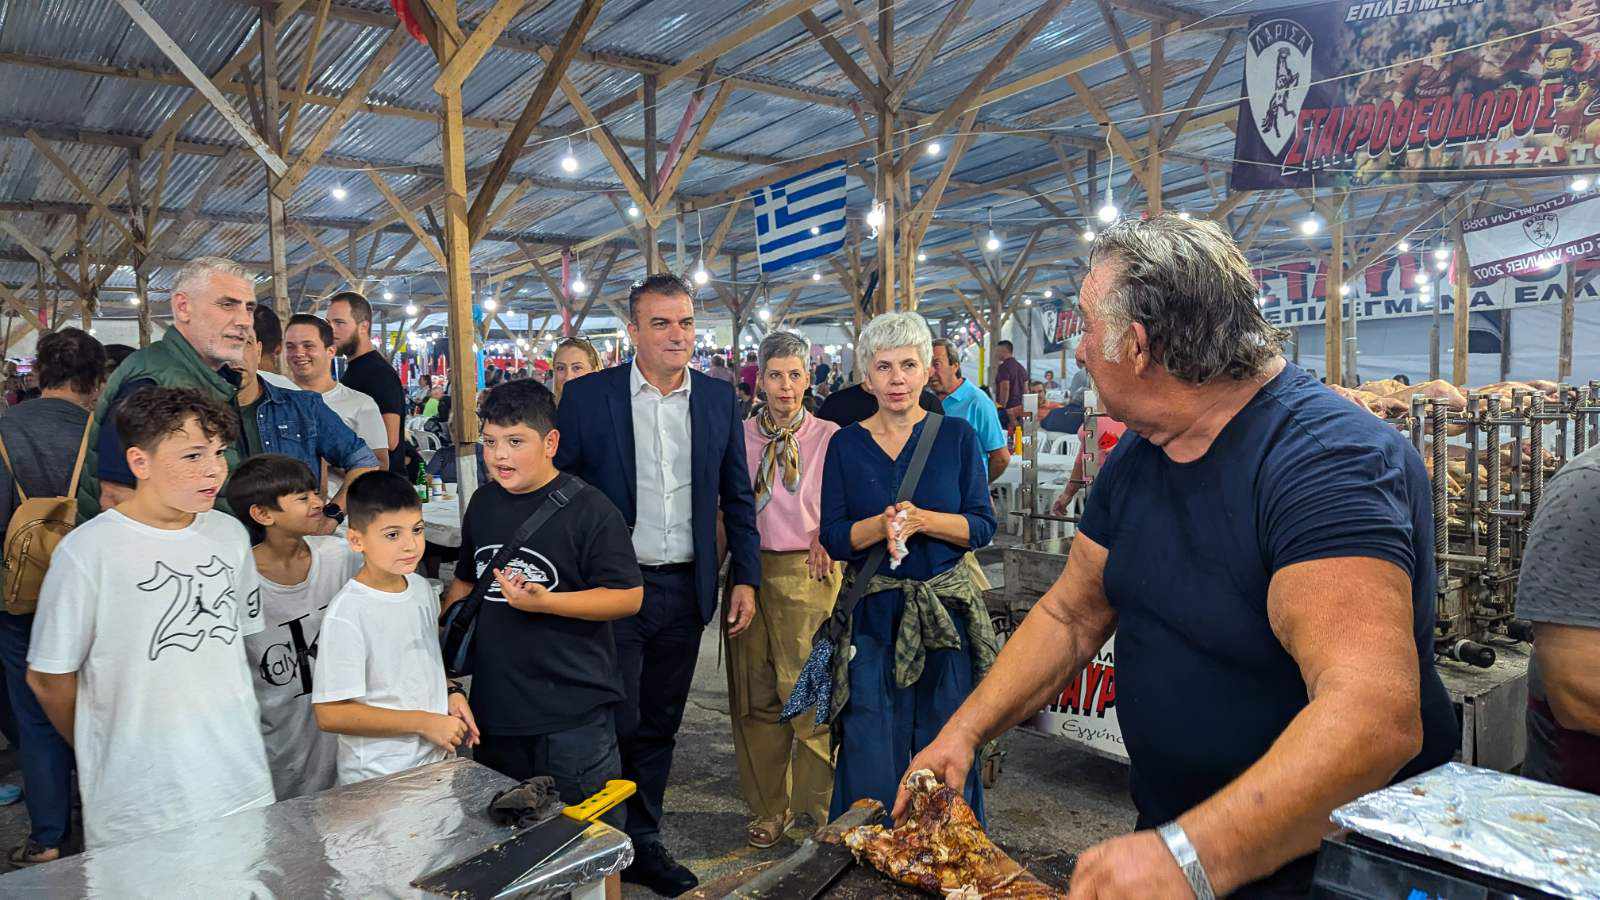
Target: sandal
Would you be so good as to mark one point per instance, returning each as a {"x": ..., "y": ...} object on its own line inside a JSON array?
[
  {"x": 31, "y": 854},
  {"x": 764, "y": 833}
]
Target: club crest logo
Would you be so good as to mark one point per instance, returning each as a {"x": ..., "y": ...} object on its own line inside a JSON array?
[
  {"x": 1277, "y": 72},
  {"x": 1542, "y": 229}
]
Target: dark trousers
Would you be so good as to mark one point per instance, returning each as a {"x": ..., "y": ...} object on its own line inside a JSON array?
[
  {"x": 47, "y": 760},
  {"x": 580, "y": 759},
  {"x": 656, "y": 649}
]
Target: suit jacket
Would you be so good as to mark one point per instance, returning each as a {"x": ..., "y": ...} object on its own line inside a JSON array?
[{"x": 596, "y": 425}]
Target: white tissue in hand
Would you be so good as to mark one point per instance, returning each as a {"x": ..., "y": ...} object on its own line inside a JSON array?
[{"x": 897, "y": 543}]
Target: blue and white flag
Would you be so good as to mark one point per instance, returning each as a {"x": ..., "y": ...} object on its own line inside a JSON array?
[{"x": 789, "y": 211}]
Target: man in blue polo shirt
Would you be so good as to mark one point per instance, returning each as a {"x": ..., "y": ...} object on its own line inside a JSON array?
[{"x": 963, "y": 400}]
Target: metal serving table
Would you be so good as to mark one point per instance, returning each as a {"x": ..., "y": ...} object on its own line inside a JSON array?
[{"x": 365, "y": 840}]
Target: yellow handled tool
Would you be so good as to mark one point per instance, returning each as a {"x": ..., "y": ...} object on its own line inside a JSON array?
[{"x": 603, "y": 801}]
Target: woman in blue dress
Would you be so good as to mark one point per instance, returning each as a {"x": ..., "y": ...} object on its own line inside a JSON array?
[{"x": 919, "y": 639}]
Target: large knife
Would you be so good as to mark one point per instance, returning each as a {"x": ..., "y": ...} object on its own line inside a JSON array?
[
  {"x": 821, "y": 859},
  {"x": 488, "y": 872}
]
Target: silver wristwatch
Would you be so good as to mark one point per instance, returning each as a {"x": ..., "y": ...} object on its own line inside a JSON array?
[{"x": 1188, "y": 860}]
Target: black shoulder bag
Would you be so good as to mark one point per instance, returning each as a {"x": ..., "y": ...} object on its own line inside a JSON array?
[
  {"x": 919, "y": 460},
  {"x": 460, "y": 621}
]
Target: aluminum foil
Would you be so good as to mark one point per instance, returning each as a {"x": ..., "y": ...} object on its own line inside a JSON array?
[
  {"x": 1534, "y": 834},
  {"x": 366, "y": 840}
]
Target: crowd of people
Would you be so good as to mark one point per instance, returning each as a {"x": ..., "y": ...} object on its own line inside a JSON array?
[{"x": 206, "y": 641}]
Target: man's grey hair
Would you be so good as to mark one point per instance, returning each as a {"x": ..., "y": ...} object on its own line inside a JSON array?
[
  {"x": 1188, "y": 284},
  {"x": 891, "y": 331},
  {"x": 196, "y": 272},
  {"x": 782, "y": 345}
]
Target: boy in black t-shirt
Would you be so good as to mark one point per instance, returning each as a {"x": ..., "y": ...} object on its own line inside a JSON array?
[{"x": 545, "y": 674}]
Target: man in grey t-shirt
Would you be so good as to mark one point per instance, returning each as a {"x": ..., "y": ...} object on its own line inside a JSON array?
[{"x": 1559, "y": 591}]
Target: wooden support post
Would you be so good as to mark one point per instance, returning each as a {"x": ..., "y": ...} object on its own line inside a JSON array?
[
  {"x": 1505, "y": 344},
  {"x": 87, "y": 296},
  {"x": 276, "y": 229},
  {"x": 1157, "y": 76},
  {"x": 1433, "y": 336},
  {"x": 885, "y": 196},
  {"x": 1333, "y": 321},
  {"x": 652, "y": 263},
  {"x": 1458, "y": 370},
  {"x": 1564, "y": 345}
]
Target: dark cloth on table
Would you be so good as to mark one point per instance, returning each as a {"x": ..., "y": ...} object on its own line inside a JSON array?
[
  {"x": 656, "y": 651},
  {"x": 850, "y": 405},
  {"x": 1560, "y": 585},
  {"x": 372, "y": 375},
  {"x": 535, "y": 673},
  {"x": 578, "y": 760},
  {"x": 533, "y": 801},
  {"x": 883, "y": 724},
  {"x": 1297, "y": 475}
]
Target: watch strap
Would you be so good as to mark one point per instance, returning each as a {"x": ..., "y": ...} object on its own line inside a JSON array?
[{"x": 1177, "y": 841}]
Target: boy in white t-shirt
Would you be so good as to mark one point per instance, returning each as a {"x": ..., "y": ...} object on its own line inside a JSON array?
[
  {"x": 301, "y": 570},
  {"x": 380, "y": 682},
  {"x": 138, "y": 652}
]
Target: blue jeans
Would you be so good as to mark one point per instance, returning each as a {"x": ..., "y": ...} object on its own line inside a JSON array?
[{"x": 47, "y": 760}]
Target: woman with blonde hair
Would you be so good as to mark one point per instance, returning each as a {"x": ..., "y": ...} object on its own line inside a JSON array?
[{"x": 573, "y": 357}]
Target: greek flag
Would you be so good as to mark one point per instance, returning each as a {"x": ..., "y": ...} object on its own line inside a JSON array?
[{"x": 788, "y": 211}]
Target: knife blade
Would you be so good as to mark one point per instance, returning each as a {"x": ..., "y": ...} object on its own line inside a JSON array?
[
  {"x": 485, "y": 873},
  {"x": 810, "y": 871}
]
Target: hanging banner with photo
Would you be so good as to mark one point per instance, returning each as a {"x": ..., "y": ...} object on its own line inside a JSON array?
[
  {"x": 1533, "y": 238},
  {"x": 1383, "y": 91},
  {"x": 1296, "y": 293},
  {"x": 1062, "y": 326}
]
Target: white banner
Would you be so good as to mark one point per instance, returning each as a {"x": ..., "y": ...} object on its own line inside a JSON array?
[
  {"x": 1534, "y": 238},
  {"x": 1086, "y": 711},
  {"x": 1295, "y": 293}
]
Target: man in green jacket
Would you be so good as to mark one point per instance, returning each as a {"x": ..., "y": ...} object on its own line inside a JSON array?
[{"x": 213, "y": 303}]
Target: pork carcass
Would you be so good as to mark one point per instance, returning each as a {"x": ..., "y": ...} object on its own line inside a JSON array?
[
  {"x": 941, "y": 849},
  {"x": 1437, "y": 389}
]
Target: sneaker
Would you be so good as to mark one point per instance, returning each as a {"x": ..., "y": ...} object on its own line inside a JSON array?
[{"x": 655, "y": 868}]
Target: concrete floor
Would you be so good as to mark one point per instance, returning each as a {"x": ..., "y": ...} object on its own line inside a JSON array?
[{"x": 1050, "y": 798}]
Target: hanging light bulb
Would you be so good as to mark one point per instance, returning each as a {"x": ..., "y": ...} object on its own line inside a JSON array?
[
  {"x": 934, "y": 149},
  {"x": 1442, "y": 265},
  {"x": 993, "y": 243},
  {"x": 701, "y": 276},
  {"x": 1404, "y": 246},
  {"x": 764, "y": 314},
  {"x": 1184, "y": 215},
  {"x": 1344, "y": 290},
  {"x": 523, "y": 343},
  {"x": 578, "y": 286},
  {"x": 1027, "y": 301},
  {"x": 1048, "y": 293},
  {"x": 1088, "y": 235},
  {"x": 633, "y": 211},
  {"x": 1580, "y": 183},
  {"x": 1441, "y": 253},
  {"x": 411, "y": 309},
  {"x": 816, "y": 276},
  {"x": 1108, "y": 211},
  {"x": 1309, "y": 225},
  {"x": 338, "y": 192},
  {"x": 490, "y": 305},
  {"x": 922, "y": 257},
  {"x": 569, "y": 163},
  {"x": 388, "y": 295},
  {"x": 134, "y": 300},
  {"x": 1422, "y": 278},
  {"x": 875, "y": 217},
  {"x": 816, "y": 230}
]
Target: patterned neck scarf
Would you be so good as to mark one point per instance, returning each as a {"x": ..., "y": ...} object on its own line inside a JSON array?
[{"x": 782, "y": 453}]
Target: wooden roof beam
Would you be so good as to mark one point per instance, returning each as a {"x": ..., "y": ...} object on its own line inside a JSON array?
[{"x": 842, "y": 59}]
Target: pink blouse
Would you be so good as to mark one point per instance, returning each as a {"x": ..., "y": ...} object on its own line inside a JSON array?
[{"x": 791, "y": 520}]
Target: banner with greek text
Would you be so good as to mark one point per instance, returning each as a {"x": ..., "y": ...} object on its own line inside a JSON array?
[
  {"x": 1409, "y": 284},
  {"x": 1062, "y": 325},
  {"x": 1383, "y": 91},
  {"x": 1534, "y": 238},
  {"x": 1086, "y": 710}
]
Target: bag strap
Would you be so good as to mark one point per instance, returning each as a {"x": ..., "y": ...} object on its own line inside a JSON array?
[
  {"x": 77, "y": 467},
  {"x": 13, "y": 470},
  {"x": 564, "y": 493},
  {"x": 908, "y": 486}
]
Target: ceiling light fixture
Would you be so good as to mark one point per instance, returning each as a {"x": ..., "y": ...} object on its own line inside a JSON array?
[
  {"x": 633, "y": 211},
  {"x": 701, "y": 276},
  {"x": 1088, "y": 235},
  {"x": 1310, "y": 226},
  {"x": 1048, "y": 293},
  {"x": 922, "y": 257},
  {"x": 411, "y": 309},
  {"x": 934, "y": 149},
  {"x": 1404, "y": 247},
  {"x": 1580, "y": 183},
  {"x": 578, "y": 286},
  {"x": 490, "y": 305},
  {"x": 338, "y": 192},
  {"x": 569, "y": 163},
  {"x": 816, "y": 276},
  {"x": 388, "y": 295}
]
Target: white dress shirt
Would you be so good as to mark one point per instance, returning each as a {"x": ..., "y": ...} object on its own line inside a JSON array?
[{"x": 662, "y": 528}]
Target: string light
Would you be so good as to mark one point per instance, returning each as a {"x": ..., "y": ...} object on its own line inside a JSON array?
[
  {"x": 388, "y": 295},
  {"x": 490, "y": 305},
  {"x": 1441, "y": 253},
  {"x": 816, "y": 276},
  {"x": 816, "y": 230},
  {"x": 993, "y": 243},
  {"x": 1108, "y": 211},
  {"x": 1310, "y": 226},
  {"x": 633, "y": 211},
  {"x": 1088, "y": 235},
  {"x": 1404, "y": 247},
  {"x": 134, "y": 300},
  {"x": 875, "y": 217},
  {"x": 1048, "y": 293},
  {"x": 579, "y": 286},
  {"x": 411, "y": 309},
  {"x": 934, "y": 149},
  {"x": 1580, "y": 183},
  {"x": 1422, "y": 278},
  {"x": 569, "y": 163},
  {"x": 338, "y": 192},
  {"x": 523, "y": 343},
  {"x": 922, "y": 257},
  {"x": 1344, "y": 290},
  {"x": 764, "y": 314},
  {"x": 701, "y": 276},
  {"x": 1027, "y": 301},
  {"x": 1184, "y": 215}
]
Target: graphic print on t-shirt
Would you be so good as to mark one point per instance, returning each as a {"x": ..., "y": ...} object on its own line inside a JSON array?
[
  {"x": 202, "y": 604},
  {"x": 292, "y": 657},
  {"x": 532, "y": 565}
]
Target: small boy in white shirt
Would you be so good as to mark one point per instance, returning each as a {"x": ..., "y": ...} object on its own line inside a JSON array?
[
  {"x": 280, "y": 503},
  {"x": 137, "y": 653},
  {"x": 380, "y": 681}
]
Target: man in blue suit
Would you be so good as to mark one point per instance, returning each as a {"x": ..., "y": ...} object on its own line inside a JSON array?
[{"x": 665, "y": 444}]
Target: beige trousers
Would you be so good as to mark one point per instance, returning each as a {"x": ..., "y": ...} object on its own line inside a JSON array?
[{"x": 783, "y": 767}]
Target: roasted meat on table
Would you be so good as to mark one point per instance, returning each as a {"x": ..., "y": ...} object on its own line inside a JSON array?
[{"x": 941, "y": 849}]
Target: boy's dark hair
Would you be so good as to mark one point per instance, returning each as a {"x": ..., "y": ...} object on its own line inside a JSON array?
[
  {"x": 115, "y": 354},
  {"x": 324, "y": 330},
  {"x": 150, "y": 414},
  {"x": 520, "y": 402},
  {"x": 261, "y": 481},
  {"x": 375, "y": 493},
  {"x": 71, "y": 357},
  {"x": 360, "y": 309},
  {"x": 662, "y": 284},
  {"x": 269, "y": 330},
  {"x": 744, "y": 388}
]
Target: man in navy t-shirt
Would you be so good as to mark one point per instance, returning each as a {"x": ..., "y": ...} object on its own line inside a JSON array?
[{"x": 1263, "y": 550}]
